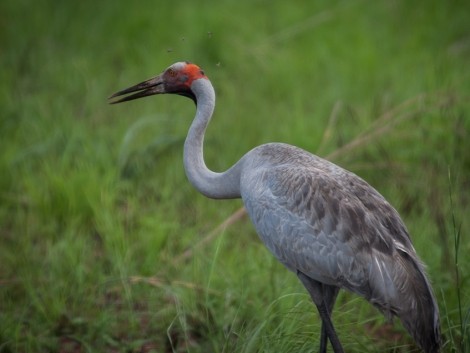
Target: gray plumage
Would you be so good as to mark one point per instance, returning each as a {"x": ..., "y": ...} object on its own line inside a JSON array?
[
  {"x": 330, "y": 225},
  {"x": 322, "y": 222}
]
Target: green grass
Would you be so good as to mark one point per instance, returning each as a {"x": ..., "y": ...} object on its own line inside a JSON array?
[{"x": 104, "y": 245}]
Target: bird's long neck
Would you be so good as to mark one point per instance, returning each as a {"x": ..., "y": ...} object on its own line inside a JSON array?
[{"x": 214, "y": 185}]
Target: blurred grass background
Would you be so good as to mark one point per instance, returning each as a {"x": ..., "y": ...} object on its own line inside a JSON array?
[{"x": 104, "y": 245}]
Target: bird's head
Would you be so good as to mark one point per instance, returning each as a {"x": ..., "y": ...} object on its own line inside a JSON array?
[{"x": 176, "y": 79}]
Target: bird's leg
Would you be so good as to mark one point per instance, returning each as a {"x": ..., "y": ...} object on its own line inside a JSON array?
[
  {"x": 329, "y": 329},
  {"x": 323, "y": 339},
  {"x": 324, "y": 297},
  {"x": 329, "y": 296}
]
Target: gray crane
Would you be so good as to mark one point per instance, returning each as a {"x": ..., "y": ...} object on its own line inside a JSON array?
[{"x": 324, "y": 223}]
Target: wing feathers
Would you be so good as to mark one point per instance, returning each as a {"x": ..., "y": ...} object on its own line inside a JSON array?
[{"x": 335, "y": 228}]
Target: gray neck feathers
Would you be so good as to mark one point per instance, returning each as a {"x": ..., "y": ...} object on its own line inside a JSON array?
[{"x": 214, "y": 185}]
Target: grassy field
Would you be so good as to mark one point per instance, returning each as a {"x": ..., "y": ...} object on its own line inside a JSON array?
[{"x": 106, "y": 247}]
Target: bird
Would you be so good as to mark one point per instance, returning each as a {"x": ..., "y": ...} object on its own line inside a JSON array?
[{"x": 324, "y": 223}]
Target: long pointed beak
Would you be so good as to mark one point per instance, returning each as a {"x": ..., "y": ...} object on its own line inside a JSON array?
[{"x": 147, "y": 88}]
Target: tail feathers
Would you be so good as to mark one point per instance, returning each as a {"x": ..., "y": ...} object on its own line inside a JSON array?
[
  {"x": 400, "y": 287},
  {"x": 421, "y": 318},
  {"x": 423, "y": 324}
]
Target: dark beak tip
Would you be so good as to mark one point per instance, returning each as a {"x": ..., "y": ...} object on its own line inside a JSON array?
[
  {"x": 111, "y": 97},
  {"x": 143, "y": 89}
]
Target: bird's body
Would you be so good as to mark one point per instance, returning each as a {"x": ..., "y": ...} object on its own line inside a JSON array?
[
  {"x": 322, "y": 222},
  {"x": 330, "y": 225}
]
